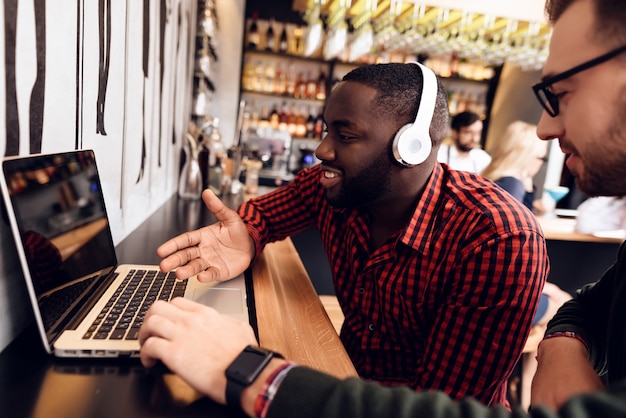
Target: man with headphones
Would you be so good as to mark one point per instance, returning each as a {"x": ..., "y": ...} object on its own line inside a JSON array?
[{"x": 438, "y": 272}]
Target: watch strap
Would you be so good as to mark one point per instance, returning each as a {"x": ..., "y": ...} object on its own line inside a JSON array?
[{"x": 234, "y": 390}]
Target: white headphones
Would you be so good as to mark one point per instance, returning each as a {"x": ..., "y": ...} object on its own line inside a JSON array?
[{"x": 412, "y": 144}]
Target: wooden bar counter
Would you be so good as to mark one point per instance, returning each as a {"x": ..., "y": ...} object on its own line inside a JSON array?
[
  {"x": 289, "y": 315},
  {"x": 576, "y": 258}
]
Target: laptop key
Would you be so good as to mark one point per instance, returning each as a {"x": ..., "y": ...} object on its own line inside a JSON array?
[
  {"x": 118, "y": 334},
  {"x": 133, "y": 333}
]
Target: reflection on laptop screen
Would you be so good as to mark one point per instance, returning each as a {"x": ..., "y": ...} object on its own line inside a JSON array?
[{"x": 61, "y": 217}]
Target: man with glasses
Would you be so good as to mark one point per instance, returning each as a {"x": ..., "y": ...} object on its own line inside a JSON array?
[
  {"x": 583, "y": 93},
  {"x": 586, "y": 110}
]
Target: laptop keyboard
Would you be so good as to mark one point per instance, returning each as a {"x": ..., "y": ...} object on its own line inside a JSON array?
[{"x": 123, "y": 314}]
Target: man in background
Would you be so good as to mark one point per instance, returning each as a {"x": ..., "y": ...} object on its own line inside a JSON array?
[{"x": 464, "y": 153}]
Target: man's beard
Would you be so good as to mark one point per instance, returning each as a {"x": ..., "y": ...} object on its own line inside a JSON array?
[
  {"x": 465, "y": 147},
  {"x": 605, "y": 168},
  {"x": 366, "y": 187}
]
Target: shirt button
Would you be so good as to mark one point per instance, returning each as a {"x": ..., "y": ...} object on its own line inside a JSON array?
[
  {"x": 371, "y": 327},
  {"x": 362, "y": 290}
]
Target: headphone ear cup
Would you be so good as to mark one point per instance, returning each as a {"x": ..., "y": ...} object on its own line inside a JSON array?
[{"x": 409, "y": 147}]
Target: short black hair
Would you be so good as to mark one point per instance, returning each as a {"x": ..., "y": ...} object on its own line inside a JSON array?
[
  {"x": 463, "y": 119},
  {"x": 399, "y": 88},
  {"x": 610, "y": 16}
]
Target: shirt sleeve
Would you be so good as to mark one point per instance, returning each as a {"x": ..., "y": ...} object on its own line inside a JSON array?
[
  {"x": 587, "y": 314},
  {"x": 283, "y": 212},
  {"x": 479, "y": 330},
  {"x": 306, "y": 393}
]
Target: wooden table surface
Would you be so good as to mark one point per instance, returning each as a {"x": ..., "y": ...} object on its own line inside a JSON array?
[
  {"x": 563, "y": 229},
  {"x": 291, "y": 317}
]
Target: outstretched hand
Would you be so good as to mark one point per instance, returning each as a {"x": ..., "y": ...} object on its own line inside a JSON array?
[{"x": 216, "y": 252}]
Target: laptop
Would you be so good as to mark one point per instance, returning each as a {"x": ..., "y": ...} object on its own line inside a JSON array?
[{"x": 57, "y": 214}]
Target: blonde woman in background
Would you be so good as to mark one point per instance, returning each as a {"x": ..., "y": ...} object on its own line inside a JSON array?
[{"x": 515, "y": 159}]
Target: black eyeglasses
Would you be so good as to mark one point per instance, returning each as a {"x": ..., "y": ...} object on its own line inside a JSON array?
[{"x": 549, "y": 100}]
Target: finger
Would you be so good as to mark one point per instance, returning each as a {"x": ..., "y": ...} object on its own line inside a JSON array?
[
  {"x": 190, "y": 256},
  {"x": 160, "y": 320},
  {"x": 186, "y": 240},
  {"x": 190, "y": 269},
  {"x": 152, "y": 350},
  {"x": 211, "y": 274},
  {"x": 217, "y": 207}
]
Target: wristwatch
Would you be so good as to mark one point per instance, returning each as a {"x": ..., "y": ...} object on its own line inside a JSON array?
[{"x": 244, "y": 370}]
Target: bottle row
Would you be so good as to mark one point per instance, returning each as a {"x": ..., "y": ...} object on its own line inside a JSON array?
[
  {"x": 461, "y": 100},
  {"x": 450, "y": 65},
  {"x": 298, "y": 120},
  {"x": 270, "y": 36},
  {"x": 302, "y": 121},
  {"x": 285, "y": 79}
]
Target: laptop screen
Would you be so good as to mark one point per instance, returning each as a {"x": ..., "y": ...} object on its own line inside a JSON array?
[{"x": 61, "y": 219}]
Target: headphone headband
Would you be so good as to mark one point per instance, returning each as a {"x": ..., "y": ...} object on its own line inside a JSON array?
[{"x": 428, "y": 98}]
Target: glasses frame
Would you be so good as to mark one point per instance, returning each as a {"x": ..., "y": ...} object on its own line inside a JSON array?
[{"x": 550, "y": 101}]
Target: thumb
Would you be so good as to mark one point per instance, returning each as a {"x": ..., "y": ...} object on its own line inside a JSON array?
[{"x": 218, "y": 208}]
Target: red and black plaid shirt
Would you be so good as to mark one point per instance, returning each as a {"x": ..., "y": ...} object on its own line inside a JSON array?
[{"x": 446, "y": 303}]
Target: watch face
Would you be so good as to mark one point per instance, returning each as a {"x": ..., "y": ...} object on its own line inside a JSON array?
[{"x": 248, "y": 365}]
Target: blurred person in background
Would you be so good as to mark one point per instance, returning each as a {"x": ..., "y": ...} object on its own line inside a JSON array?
[
  {"x": 515, "y": 160},
  {"x": 464, "y": 153}
]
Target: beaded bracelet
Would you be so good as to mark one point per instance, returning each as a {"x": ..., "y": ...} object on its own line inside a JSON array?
[{"x": 263, "y": 400}]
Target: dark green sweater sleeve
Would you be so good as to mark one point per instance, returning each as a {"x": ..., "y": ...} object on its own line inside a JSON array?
[
  {"x": 590, "y": 313},
  {"x": 306, "y": 393}
]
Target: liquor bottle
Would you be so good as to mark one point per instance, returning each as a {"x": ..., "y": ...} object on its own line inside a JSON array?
[
  {"x": 215, "y": 170},
  {"x": 254, "y": 36},
  {"x": 301, "y": 121},
  {"x": 274, "y": 118},
  {"x": 320, "y": 93},
  {"x": 249, "y": 76},
  {"x": 292, "y": 118},
  {"x": 290, "y": 89},
  {"x": 297, "y": 43},
  {"x": 311, "y": 86},
  {"x": 264, "y": 118},
  {"x": 283, "y": 117},
  {"x": 318, "y": 130},
  {"x": 310, "y": 124},
  {"x": 280, "y": 85},
  {"x": 270, "y": 78},
  {"x": 284, "y": 44},
  {"x": 270, "y": 40},
  {"x": 258, "y": 83},
  {"x": 300, "y": 87}
]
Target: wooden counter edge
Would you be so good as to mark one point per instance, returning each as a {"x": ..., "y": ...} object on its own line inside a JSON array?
[
  {"x": 290, "y": 316},
  {"x": 563, "y": 229}
]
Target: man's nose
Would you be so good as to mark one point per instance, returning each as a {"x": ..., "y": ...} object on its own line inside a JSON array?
[{"x": 549, "y": 127}]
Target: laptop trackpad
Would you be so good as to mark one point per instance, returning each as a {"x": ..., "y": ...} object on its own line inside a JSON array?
[{"x": 224, "y": 300}]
